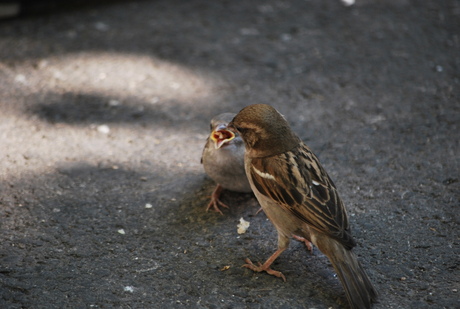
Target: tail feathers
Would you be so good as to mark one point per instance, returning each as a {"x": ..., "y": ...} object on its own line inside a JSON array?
[
  {"x": 358, "y": 288},
  {"x": 360, "y": 292}
]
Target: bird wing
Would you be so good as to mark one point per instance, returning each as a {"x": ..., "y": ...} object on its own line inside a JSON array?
[{"x": 298, "y": 183}]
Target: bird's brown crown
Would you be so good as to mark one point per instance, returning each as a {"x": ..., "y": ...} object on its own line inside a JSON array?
[{"x": 264, "y": 130}]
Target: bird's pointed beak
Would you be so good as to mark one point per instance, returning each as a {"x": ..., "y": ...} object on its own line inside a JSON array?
[{"x": 221, "y": 135}]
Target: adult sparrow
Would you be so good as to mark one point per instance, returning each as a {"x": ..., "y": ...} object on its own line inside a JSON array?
[
  {"x": 223, "y": 160},
  {"x": 298, "y": 197}
]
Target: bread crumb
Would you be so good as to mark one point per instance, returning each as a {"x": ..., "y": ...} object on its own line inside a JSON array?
[{"x": 242, "y": 226}]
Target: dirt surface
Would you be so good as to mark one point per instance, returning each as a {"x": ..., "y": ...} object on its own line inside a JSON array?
[{"x": 105, "y": 110}]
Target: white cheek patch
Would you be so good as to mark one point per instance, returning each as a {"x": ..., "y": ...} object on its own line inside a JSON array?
[
  {"x": 263, "y": 175},
  {"x": 315, "y": 183}
]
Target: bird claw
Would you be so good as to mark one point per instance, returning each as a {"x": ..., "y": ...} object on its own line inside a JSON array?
[
  {"x": 261, "y": 268},
  {"x": 215, "y": 201},
  {"x": 214, "y": 204},
  {"x": 305, "y": 241}
]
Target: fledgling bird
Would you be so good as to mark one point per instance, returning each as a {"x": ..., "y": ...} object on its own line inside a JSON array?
[
  {"x": 223, "y": 160},
  {"x": 299, "y": 198}
]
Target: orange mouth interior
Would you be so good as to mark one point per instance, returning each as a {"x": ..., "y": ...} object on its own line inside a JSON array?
[{"x": 220, "y": 137}]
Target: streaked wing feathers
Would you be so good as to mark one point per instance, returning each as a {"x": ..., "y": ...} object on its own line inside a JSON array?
[{"x": 305, "y": 190}]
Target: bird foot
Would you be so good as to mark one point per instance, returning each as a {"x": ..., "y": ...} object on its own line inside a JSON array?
[
  {"x": 261, "y": 268},
  {"x": 305, "y": 241},
  {"x": 214, "y": 204},
  {"x": 215, "y": 201}
]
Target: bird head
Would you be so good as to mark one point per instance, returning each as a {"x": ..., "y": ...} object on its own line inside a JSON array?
[
  {"x": 264, "y": 130},
  {"x": 221, "y": 134}
]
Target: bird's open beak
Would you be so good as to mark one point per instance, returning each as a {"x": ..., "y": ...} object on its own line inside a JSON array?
[{"x": 221, "y": 135}]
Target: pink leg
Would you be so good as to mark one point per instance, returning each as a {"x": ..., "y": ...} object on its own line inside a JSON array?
[
  {"x": 266, "y": 266},
  {"x": 215, "y": 201},
  {"x": 305, "y": 241}
]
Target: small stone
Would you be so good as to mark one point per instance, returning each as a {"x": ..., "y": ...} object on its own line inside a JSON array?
[
  {"x": 128, "y": 289},
  {"x": 286, "y": 37},
  {"x": 20, "y": 78},
  {"x": 103, "y": 128},
  {"x": 42, "y": 64},
  {"x": 154, "y": 100},
  {"x": 114, "y": 103},
  {"x": 101, "y": 26},
  {"x": 348, "y": 2}
]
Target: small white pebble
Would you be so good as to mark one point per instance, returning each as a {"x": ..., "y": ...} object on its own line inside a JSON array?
[
  {"x": 103, "y": 128},
  {"x": 42, "y": 64},
  {"x": 154, "y": 100},
  {"x": 59, "y": 75},
  {"x": 348, "y": 2},
  {"x": 148, "y": 205},
  {"x": 286, "y": 37},
  {"x": 20, "y": 78},
  {"x": 101, "y": 26},
  {"x": 114, "y": 102},
  {"x": 122, "y": 231},
  {"x": 242, "y": 226},
  {"x": 128, "y": 289}
]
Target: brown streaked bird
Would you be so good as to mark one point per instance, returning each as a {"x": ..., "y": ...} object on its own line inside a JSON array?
[
  {"x": 223, "y": 160},
  {"x": 299, "y": 198}
]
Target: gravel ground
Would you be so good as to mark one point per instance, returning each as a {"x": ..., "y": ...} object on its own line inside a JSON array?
[{"x": 105, "y": 109}]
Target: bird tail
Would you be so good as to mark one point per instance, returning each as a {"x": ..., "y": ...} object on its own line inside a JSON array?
[{"x": 358, "y": 288}]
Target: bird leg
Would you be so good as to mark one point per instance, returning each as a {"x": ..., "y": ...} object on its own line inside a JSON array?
[
  {"x": 305, "y": 241},
  {"x": 215, "y": 201},
  {"x": 260, "y": 209},
  {"x": 266, "y": 266}
]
